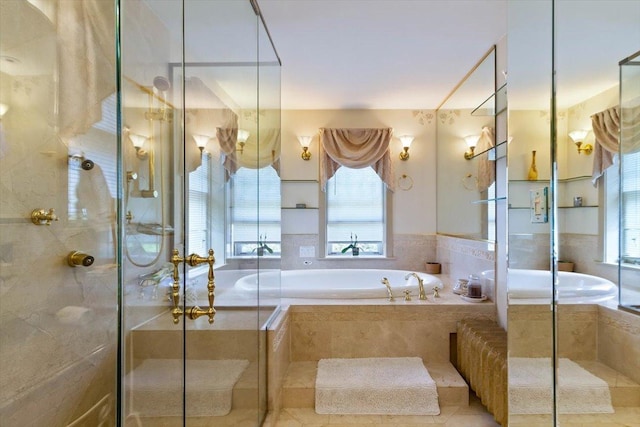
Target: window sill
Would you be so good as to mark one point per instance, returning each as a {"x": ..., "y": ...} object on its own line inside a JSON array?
[
  {"x": 354, "y": 258},
  {"x": 624, "y": 266}
]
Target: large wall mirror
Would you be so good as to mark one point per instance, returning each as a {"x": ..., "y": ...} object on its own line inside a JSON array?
[{"x": 465, "y": 137}]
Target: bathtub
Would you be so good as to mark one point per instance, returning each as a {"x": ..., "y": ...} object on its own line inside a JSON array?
[
  {"x": 336, "y": 283},
  {"x": 573, "y": 288}
]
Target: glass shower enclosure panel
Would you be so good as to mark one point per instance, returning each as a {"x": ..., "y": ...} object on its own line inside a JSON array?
[
  {"x": 630, "y": 183},
  {"x": 193, "y": 165},
  {"x": 531, "y": 242},
  {"x": 58, "y": 203}
]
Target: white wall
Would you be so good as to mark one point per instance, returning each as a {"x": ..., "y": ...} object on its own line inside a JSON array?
[{"x": 414, "y": 211}]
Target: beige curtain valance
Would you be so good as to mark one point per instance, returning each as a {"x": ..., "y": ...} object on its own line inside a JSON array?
[
  {"x": 606, "y": 129},
  {"x": 255, "y": 154},
  {"x": 357, "y": 149}
]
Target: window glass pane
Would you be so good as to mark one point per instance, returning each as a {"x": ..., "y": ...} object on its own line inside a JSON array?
[
  {"x": 199, "y": 208},
  {"x": 631, "y": 208},
  {"x": 248, "y": 223},
  {"x": 355, "y": 207}
]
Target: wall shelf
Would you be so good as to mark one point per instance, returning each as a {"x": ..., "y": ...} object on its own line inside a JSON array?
[
  {"x": 572, "y": 179},
  {"x": 299, "y": 181},
  {"x": 299, "y": 209},
  {"x": 483, "y": 201},
  {"x": 559, "y": 207},
  {"x": 495, "y": 104},
  {"x": 494, "y": 149}
]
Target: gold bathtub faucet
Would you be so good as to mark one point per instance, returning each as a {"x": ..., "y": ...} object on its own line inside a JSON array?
[
  {"x": 385, "y": 282},
  {"x": 421, "y": 294}
]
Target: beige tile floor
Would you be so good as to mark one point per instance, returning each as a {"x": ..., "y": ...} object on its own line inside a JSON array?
[{"x": 475, "y": 415}]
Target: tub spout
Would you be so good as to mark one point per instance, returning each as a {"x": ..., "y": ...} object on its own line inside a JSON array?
[
  {"x": 421, "y": 294},
  {"x": 385, "y": 282}
]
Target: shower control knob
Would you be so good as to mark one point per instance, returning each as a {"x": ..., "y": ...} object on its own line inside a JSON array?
[
  {"x": 87, "y": 164},
  {"x": 77, "y": 259}
]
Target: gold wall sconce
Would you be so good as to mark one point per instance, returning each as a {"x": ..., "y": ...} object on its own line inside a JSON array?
[
  {"x": 406, "y": 143},
  {"x": 471, "y": 141},
  {"x": 201, "y": 142},
  {"x": 305, "y": 142},
  {"x": 243, "y": 136},
  {"x": 578, "y": 136},
  {"x": 138, "y": 142}
]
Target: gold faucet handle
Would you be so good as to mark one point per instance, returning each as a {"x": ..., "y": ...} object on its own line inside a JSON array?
[
  {"x": 407, "y": 294},
  {"x": 435, "y": 292},
  {"x": 42, "y": 217}
]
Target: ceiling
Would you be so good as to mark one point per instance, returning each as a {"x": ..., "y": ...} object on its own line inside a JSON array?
[
  {"x": 378, "y": 54},
  {"x": 409, "y": 54}
]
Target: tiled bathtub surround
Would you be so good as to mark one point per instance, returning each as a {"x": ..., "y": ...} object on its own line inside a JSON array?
[
  {"x": 461, "y": 257},
  {"x": 410, "y": 252}
]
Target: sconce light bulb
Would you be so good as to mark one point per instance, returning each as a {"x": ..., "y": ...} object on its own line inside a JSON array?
[
  {"x": 305, "y": 141},
  {"x": 3, "y": 109},
  {"x": 243, "y": 136},
  {"x": 137, "y": 140},
  {"x": 406, "y": 141},
  {"x": 577, "y": 136},
  {"x": 201, "y": 141}
]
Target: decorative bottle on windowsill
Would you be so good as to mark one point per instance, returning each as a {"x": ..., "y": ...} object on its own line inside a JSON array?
[{"x": 533, "y": 170}]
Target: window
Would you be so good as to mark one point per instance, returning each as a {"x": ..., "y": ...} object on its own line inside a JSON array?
[
  {"x": 355, "y": 210},
  {"x": 630, "y": 204},
  {"x": 199, "y": 239},
  {"x": 254, "y": 212},
  {"x": 206, "y": 213},
  {"x": 629, "y": 201}
]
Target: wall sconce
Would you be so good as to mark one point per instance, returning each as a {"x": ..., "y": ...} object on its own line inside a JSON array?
[
  {"x": 138, "y": 142},
  {"x": 3, "y": 109},
  {"x": 243, "y": 136},
  {"x": 201, "y": 142},
  {"x": 305, "y": 142},
  {"x": 406, "y": 143},
  {"x": 471, "y": 141},
  {"x": 578, "y": 137}
]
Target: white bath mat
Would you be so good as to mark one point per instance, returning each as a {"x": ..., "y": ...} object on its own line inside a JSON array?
[
  {"x": 530, "y": 390},
  {"x": 389, "y": 386},
  {"x": 155, "y": 384}
]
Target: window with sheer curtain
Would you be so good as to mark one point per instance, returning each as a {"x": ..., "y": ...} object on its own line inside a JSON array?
[{"x": 355, "y": 210}]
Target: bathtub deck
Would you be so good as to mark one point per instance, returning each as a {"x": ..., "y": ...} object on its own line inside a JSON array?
[{"x": 298, "y": 390}]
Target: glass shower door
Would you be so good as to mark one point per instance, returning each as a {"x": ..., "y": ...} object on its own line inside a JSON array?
[{"x": 193, "y": 160}]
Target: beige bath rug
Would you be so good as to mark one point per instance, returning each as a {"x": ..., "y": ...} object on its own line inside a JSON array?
[
  {"x": 156, "y": 383},
  {"x": 530, "y": 390},
  {"x": 389, "y": 386}
]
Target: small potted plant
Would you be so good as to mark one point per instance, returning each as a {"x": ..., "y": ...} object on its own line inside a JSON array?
[
  {"x": 262, "y": 246},
  {"x": 353, "y": 246}
]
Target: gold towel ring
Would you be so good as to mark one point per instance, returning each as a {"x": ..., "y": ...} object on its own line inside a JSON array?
[
  {"x": 467, "y": 184},
  {"x": 405, "y": 182}
]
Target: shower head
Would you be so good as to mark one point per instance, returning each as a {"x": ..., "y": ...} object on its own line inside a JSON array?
[{"x": 161, "y": 83}]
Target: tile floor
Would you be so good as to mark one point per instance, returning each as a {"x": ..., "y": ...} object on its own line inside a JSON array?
[{"x": 475, "y": 415}]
